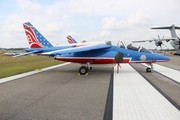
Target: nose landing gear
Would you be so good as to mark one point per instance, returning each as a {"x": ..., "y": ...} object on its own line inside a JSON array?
[{"x": 149, "y": 69}]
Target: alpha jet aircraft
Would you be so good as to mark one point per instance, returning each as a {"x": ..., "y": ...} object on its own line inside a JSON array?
[{"x": 89, "y": 54}]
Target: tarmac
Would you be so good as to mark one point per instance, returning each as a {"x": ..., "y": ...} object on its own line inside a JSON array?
[
  {"x": 167, "y": 86},
  {"x": 59, "y": 93}
]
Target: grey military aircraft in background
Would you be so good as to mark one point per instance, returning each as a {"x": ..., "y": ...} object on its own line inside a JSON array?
[{"x": 174, "y": 41}]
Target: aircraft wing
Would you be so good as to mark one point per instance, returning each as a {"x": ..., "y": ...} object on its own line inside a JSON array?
[
  {"x": 167, "y": 40},
  {"x": 76, "y": 49},
  {"x": 143, "y": 41}
]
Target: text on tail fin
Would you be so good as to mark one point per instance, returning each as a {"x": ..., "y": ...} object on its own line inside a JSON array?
[{"x": 35, "y": 39}]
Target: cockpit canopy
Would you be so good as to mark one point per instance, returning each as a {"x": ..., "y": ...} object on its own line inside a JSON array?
[{"x": 131, "y": 46}]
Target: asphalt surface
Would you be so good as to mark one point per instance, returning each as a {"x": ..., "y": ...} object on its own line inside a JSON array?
[
  {"x": 56, "y": 94},
  {"x": 61, "y": 94}
]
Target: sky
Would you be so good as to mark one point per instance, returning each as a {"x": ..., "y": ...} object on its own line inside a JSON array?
[{"x": 90, "y": 20}]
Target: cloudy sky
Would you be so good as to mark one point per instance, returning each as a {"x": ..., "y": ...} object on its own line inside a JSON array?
[{"x": 89, "y": 20}]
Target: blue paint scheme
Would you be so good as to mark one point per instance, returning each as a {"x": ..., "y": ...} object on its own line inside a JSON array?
[
  {"x": 81, "y": 49},
  {"x": 135, "y": 55},
  {"x": 101, "y": 50},
  {"x": 93, "y": 53},
  {"x": 110, "y": 52}
]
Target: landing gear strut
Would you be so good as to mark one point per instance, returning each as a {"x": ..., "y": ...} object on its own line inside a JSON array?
[{"x": 149, "y": 69}]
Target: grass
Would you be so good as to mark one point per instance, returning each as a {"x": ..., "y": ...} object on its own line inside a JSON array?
[{"x": 12, "y": 66}]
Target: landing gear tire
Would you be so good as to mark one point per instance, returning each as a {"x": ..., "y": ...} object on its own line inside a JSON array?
[
  {"x": 83, "y": 70},
  {"x": 148, "y": 69}
]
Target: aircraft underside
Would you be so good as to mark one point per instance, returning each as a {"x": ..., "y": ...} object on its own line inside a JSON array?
[
  {"x": 103, "y": 60},
  {"x": 92, "y": 60},
  {"x": 88, "y": 63}
]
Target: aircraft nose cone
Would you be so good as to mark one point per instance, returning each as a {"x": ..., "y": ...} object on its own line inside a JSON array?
[
  {"x": 163, "y": 58},
  {"x": 166, "y": 58}
]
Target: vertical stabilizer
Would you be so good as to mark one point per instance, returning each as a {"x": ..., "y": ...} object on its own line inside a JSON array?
[
  {"x": 171, "y": 28},
  {"x": 35, "y": 38},
  {"x": 71, "y": 40}
]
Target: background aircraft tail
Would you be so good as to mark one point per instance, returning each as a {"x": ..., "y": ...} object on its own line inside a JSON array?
[
  {"x": 71, "y": 40},
  {"x": 171, "y": 28},
  {"x": 35, "y": 38}
]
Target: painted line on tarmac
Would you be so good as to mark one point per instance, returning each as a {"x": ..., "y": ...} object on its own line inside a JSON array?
[
  {"x": 7, "y": 79},
  {"x": 168, "y": 72},
  {"x": 135, "y": 98}
]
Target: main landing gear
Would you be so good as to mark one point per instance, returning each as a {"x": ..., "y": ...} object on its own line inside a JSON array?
[
  {"x": 149, "y": 69},
  {"x": 83, "y": 70}
]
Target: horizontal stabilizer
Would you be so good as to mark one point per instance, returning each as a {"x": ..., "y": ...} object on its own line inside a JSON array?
[
  {"x": 167, "y": 27},
  {"x": 24, "y": 54}
]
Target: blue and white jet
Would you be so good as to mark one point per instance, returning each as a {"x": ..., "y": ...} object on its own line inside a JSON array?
[{"x": 98, "y": 53}]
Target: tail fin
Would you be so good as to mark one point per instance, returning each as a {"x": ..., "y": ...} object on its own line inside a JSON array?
[
  {"x": 171, "y": 28},
  {"x": 83, "y": 41},
  {"x": 71, "y": 40},
  {"x": 35, "y": 39}
]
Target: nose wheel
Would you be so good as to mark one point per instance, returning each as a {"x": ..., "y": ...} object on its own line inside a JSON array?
[{"x": 149, "y": 69}]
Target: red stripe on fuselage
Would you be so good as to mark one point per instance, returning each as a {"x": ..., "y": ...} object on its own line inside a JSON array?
[
  {"x": 94, "y": 61},
  {"x": 103, "y": 60}
]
